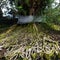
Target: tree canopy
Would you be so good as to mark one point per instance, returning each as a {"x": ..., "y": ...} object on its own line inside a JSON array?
[
  {"x": 26, "y": 7},
  {"x": 32, "y": 7}
]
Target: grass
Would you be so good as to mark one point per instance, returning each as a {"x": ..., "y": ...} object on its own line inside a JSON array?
[
  {"x": 17, "y": 34},
  {"x": 11, "y": 35}
]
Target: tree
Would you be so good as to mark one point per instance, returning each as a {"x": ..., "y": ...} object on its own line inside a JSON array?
[
  {"x": 25, "y": 7},
  {"x": 52, "y": 14},
  {"x": 34, "y": 7}
]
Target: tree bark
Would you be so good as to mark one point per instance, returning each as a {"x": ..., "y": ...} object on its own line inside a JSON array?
[{"x": 0, "y": 13}]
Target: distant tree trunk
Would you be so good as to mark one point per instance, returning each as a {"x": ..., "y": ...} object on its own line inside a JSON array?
[
  {"x": 35, "y": 6},
  {"x": 31, "y": 7},
  {"x": 0, "y": 13}
]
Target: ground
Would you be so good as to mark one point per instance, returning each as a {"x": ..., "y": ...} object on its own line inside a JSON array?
[
  {"x": 25, "y": 34},
  {"x": 15, "y": 34}
]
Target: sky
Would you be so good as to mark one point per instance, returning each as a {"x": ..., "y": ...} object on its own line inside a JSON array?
[
  {"x": 54, "y": 5},
  {"x": 57, "y": 1}
]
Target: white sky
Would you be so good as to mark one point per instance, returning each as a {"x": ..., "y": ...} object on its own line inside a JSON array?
[
  {"x": 54, "y": 3},
  {"x": 57, "y": 1}
]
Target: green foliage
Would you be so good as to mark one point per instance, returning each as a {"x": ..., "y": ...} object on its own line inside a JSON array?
[
  {"x": 27, "y": 5},
  {"x": 51, "y": 15}
]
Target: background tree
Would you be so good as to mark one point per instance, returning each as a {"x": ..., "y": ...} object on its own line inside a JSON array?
[{"x": 32, "y": 7}]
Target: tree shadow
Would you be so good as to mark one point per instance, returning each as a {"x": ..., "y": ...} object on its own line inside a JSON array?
[{"x": 5, "y": 24}]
